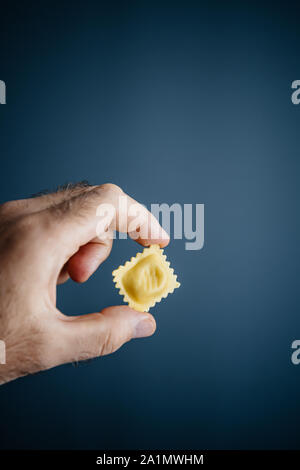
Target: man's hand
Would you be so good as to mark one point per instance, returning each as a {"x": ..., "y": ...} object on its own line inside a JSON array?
[{"x": 43, "y": 242}]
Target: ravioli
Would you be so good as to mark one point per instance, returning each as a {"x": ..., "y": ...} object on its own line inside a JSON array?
[{"x": 145, "y": 279}]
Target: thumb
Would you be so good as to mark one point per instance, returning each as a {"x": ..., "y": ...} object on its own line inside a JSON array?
[{"x": 98, "y": 334}]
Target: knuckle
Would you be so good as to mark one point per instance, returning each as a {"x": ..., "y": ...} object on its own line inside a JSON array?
[{"x": 112, "y": 188}]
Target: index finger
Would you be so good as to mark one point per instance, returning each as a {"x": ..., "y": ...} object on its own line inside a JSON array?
[{"x": 99, "y": 211}]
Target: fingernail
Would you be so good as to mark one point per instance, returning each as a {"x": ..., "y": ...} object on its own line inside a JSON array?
[{"x": 144, "y": 328}]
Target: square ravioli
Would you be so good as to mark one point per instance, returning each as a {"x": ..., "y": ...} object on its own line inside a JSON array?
[{"x": 145, "y": 279}]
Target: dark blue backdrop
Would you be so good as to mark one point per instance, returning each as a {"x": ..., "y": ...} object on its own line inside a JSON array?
[{"x": 183, "y": 102}]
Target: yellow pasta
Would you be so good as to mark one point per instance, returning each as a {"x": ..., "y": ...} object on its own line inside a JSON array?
[{"x": 145, "y": 279}]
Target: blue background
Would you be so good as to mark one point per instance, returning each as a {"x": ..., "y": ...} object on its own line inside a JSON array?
[{"x": 186, "y": 102}]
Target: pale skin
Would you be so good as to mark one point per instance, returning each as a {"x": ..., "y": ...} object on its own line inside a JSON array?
[{"x": 44, "y": 241}]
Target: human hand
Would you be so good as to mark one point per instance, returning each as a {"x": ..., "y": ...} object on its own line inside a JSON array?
[{"x": 44, "y": 241}]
